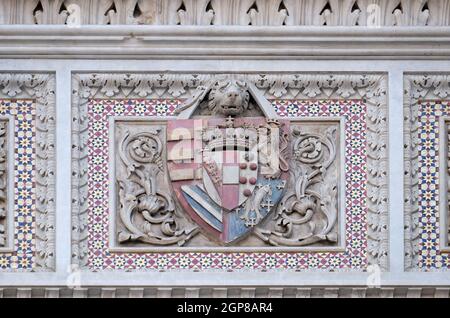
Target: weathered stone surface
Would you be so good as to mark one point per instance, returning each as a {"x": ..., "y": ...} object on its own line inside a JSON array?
[
  {"x": 256, "y": 183},
  {"x": 146, "y": 210}
]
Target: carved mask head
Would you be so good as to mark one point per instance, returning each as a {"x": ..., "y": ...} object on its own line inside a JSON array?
[{"x": 229, "y": 98}]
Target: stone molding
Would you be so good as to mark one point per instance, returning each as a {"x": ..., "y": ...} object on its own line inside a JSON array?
[
  {"x": 434, "y": 87},
  {"x": 371, "y": 88},
  {"x": 223, "y": 42},
  {"x": 40, "y": 88},
  {"x": 228, "y": 12},
  {"x": 224, "y": 292}
]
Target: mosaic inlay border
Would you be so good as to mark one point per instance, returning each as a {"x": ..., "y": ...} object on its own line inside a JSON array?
[
  {"x": 23, "y": 214},
  {"x": 371, "y": 89},
  {"x": 425, "y": 103},
  {"x": 38, "y": 89},
  {"x": 355, "y": 257},
  {"x": 431, "y": 256}
]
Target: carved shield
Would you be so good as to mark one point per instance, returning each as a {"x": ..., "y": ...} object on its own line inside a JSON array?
[{"x": 228, "y": 174}]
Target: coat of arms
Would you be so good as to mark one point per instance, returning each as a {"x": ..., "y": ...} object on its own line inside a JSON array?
[{"x": 229, "y": 173}]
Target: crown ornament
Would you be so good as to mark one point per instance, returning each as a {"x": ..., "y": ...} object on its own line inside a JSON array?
[{"x": 217, "y": 139}]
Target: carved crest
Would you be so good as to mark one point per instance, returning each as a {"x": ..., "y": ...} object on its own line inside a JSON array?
[
  {"x": 228, "y": 174},
  {"x": 227, "y": 171}
]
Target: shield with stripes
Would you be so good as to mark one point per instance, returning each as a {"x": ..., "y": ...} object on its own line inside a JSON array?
[{"x": 227, "y": 173}]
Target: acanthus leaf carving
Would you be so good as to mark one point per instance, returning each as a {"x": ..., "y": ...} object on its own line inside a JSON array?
[
  {"x": 411, "y": 13},
  {"x": 268, "y": 12},
  {"x": 416, "y": 88},
  {"x": 308, "y": 211},
  {"x": 40, "y": 88},
  {"x": 195, "y": 12},
  {"x": 338, "y": 86},
  {"x": 146, "y": 209},
  {"x": 227, "y": 12},
  {"x": 340, "y": 12},
  {"x": 304, "y": 12}
]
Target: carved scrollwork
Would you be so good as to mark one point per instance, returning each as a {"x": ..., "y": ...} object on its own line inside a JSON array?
[
  {"x": 146, "y": 209},
  {"x": 372, "y": 88},
  {"x": 40, "y": 88},
  {"x": 308, "y": 212}
]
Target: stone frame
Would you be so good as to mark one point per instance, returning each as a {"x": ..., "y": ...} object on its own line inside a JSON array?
[
  {"x": 371, "y": 88},
  {"x": 41, "y": 89},
  {"x": 227, "y": 12},
  {"x": 339, "y": 247},
  {"x": 430, "y": 87}
]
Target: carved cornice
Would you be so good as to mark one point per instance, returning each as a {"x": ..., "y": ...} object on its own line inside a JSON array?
[
  {"x": 40, "y": 88},
  {"x": 223, "y": 42},
  {"x": 225, "y": 29},
  {"x": 371, "y": 88},
  {"x": 228, "y": 12}
]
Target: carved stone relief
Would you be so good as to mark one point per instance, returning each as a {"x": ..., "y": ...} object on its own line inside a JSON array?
[
  {"x": 308, "y": 212},
  {"x": 247, "y": 181},
  {"x": 426, "y": 135},
  {"x": 227, "y": 12},
  {"x": 298, "y": 208},
  {"x": 3, "y": 181},
  {"x": 146, "y": 208},
  {"x": 38, "y": 89},
  {"x": 295, "y": 210}
]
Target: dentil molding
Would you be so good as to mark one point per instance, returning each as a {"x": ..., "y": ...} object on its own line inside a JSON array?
[{"x": 423, "y": 88}]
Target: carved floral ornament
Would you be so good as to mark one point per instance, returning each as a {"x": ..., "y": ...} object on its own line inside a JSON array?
[
  {"x": 233, "y": 196},
  {"x": 243, "y": 167},
  {"x": 420, "y": 90},
  {"x": 40, "y": 88},
  {"x": 227, "y": 12},
  {"x": 292, "y": 203}
]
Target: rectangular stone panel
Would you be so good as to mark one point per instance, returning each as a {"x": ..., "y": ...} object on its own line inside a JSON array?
[
  {"x": 302, "y": 188},
  {"x": 427, "y": 123},
  {"x": 24, "y": 189}
]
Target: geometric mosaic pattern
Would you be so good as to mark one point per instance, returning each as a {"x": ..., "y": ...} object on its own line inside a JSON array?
[
  {"x": 24, "y": 244},
  {"x": 430, "y": 257},
  {"x": 354, "y": 257}
]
